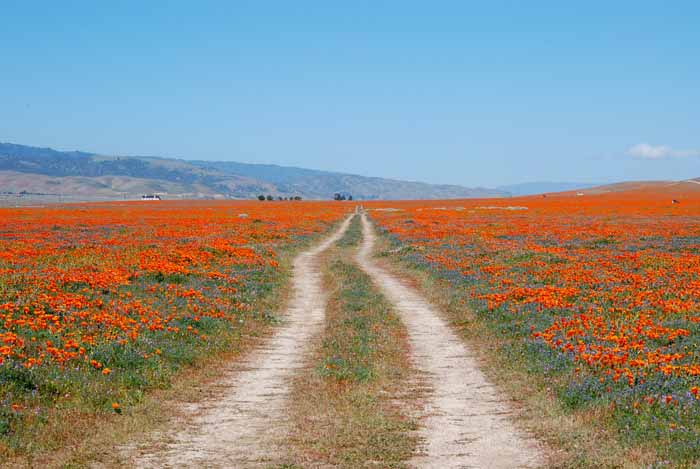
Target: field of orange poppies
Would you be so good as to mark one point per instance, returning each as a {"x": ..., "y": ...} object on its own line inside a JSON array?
[
  {"x": 101, "y": 302},
  {"x": 598, "y": 296},
  {"x": 599, "y": 293}
]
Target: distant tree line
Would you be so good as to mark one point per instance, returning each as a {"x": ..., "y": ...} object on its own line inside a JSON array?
[{"x": 262, "y": 197}]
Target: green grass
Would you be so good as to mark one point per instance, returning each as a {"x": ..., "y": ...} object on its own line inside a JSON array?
[{"x": 353, "y": 235}]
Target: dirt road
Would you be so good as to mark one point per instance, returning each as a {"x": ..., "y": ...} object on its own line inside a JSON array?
[
  {"x": 240, "y": 427},
  {"x": 466, "y": 421}
]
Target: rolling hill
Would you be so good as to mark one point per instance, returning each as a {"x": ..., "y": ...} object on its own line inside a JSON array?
[
  {"x": 660, "y": 187},
  {"x": 530, "y": 188},
  {"x": 76, "y": 175}
]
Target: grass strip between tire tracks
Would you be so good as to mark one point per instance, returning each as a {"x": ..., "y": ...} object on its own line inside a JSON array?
[{"x": 352, "y": 406}]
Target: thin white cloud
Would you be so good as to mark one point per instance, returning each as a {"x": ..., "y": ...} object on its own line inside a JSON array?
[{"x": 657, "y": 152}]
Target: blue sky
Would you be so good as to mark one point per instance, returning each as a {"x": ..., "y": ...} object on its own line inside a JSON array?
[{"x": 473, "y": 93}]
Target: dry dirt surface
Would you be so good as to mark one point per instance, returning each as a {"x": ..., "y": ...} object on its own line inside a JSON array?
[
  {"x": 465, "y": 422},
  {"x": 241, "y": 426}
]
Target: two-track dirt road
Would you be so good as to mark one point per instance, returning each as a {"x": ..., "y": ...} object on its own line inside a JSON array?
[{"x": 465, "y": 422}]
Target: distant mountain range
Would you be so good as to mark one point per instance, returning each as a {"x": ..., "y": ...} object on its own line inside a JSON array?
[{"x": 77, "y": 175}]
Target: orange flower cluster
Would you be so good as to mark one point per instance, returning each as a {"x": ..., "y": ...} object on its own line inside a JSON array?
[
  {"x": 610, "y": 281},
  {"x": 81, "y": 278}
]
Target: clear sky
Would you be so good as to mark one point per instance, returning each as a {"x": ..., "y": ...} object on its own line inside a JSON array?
[{"x": 467, "y": 92}]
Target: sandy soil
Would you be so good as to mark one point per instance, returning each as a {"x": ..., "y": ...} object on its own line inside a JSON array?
[
  {"x": 241, "y": 426},
  {"x": 466, "y": 420}
]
